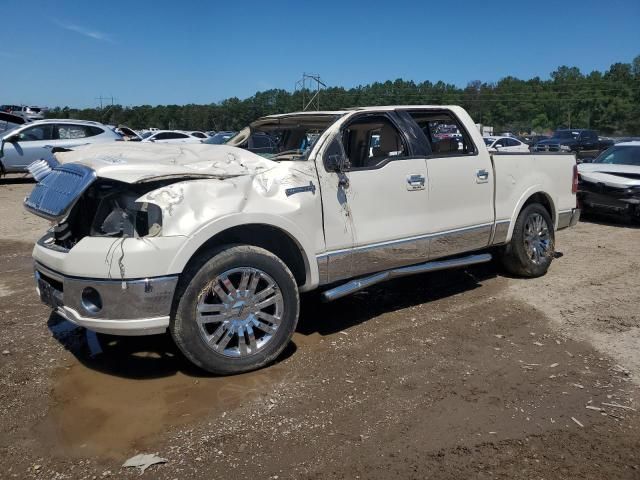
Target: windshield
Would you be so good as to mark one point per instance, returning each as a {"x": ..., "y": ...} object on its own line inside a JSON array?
[
  {"x": 620, "y": 155},
  {"x": 566, "y": 134},
  {"x": 284, "y": 138}
]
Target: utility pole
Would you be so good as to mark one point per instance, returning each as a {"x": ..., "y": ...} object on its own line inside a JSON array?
[
  {"x": 101, "y": 99},
  {"x": 308, "y": 83}
]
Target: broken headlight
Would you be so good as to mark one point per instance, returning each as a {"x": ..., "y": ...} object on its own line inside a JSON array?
[{"x": 119, "y": 215}]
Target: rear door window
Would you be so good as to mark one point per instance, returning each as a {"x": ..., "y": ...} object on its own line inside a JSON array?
[
  {"x": 71, "y": 132},
  {"x": 444, "y": 132}
]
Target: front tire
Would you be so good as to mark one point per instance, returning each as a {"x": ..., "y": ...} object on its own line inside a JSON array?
[
  {"x": 532, "y": 246},
  {"x": 238, "y": 311}
]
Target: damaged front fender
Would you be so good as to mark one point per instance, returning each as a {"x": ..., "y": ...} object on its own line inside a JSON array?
[{"x": 202, "y": 209}]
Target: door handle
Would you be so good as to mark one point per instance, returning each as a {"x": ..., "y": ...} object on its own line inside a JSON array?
[
  {"x": 415, "y": 182},
  {"x": 482, "y": 176}
]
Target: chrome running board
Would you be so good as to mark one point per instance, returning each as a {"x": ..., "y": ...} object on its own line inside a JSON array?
[{"x": 364, "y": 282}]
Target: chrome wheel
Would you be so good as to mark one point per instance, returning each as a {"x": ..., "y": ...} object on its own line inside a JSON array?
[
  {"x": 537, "y": 239},
  {"x": 239, "y": 312}
]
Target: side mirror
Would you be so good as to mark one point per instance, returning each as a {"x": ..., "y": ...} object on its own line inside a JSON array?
[
  {"x": 336, "y": 163},
  {"x": 498, "y": 146},
  {"x": 12, "y": 138}
]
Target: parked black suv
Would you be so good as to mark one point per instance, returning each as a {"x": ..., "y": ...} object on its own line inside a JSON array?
[{"x": 584, "y": 143}]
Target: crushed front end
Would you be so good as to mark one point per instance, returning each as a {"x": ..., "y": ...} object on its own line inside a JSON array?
[
  {"x": 103, "y": 264},
  {"x": 600, "y": 197}
]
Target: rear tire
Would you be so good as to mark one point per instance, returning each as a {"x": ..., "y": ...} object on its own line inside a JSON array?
[
  {"x": 532, "y": 246},
  {"x": 238, "y": 311}
]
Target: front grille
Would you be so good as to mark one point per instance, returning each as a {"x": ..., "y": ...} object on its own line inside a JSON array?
[
  {"x": 547, "y": 148},
  {"x": 53, "y": 197}
]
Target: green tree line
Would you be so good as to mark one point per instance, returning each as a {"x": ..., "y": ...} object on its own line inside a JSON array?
[{"x": 608, "y": 101}]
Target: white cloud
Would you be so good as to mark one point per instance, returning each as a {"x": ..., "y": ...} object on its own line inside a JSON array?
[{"x": 87, "y": 32}]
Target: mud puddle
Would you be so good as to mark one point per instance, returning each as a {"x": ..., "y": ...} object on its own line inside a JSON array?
[{"x": 124, "y": 393}]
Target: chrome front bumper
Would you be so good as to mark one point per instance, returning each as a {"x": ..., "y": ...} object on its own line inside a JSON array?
[
  {"x": 569, "y": 218},
  {"x": 119, "y": 307}
]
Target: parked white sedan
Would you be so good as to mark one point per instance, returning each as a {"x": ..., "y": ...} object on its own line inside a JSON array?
[
  {"x": 36, "y": 140},
  {"x": 172, "y": 136},
  {"x": 505, "y": 144}
]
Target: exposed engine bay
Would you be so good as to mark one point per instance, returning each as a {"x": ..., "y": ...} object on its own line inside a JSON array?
[{"x": 109, "y": 209}]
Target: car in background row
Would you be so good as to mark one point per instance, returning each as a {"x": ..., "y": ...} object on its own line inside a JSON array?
[
  {"x": 531, "y": 140},
  {"x": 611, "y": 183},
  {"x": 505, "y": 144},
  {"x": 219, "y": 138},
  {"x": 127, "y": 133},
  {"x": 198, "y": 134},
  {"x": 37, "y": 140},
  {"x": 28, "y": 112},
  {"x": 583, "y": 142},
  {"x": 171, "y": 136},
  {"x": 625, "y": 139}
]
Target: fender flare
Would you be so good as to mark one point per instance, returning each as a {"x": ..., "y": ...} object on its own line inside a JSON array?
[
  {"x": 219, "y": 225},
  {"x": 526, "y": 195}
]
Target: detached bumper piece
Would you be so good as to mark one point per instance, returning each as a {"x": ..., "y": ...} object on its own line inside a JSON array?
[{"x": 118, "y": 307}]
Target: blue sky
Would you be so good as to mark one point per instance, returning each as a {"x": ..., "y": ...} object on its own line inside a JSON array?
[{"x": 160, "y": 52}]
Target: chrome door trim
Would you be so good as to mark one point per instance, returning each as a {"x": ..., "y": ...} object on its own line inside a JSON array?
[
  {"x": 460, "y": 241},
  {"x": 337, "y": 265},
  {"x": 349, "y": 262}
]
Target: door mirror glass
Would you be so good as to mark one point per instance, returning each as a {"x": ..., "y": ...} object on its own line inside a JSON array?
[{"x": 12, "y": 138}]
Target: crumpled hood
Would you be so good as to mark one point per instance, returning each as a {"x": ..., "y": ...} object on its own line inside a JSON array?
[
  {"x": 138, "y": 162},
  {"x": 612, "y": 175}
]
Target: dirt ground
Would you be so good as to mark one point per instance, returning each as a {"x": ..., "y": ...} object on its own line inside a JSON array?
[{"x": 461, "y": 374}]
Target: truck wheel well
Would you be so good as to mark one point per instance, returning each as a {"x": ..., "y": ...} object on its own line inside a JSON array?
[
  {"x": 543, "y": 200},
  {"x": 264, "y": 236}
]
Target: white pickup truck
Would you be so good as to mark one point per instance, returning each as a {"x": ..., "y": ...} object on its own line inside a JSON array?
[{"x": 215, "y": 242}]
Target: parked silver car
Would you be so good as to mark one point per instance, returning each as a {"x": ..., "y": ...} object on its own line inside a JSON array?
[
  {"x": 25, "y": 111},
  {"x": 36, "y": 140}
]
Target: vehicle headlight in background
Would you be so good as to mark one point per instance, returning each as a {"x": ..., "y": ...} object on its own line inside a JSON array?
[{"x": 565, "y": 148}]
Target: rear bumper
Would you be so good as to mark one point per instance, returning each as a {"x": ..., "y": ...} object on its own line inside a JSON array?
[
  {"x": 119, "y": 307},
  {"x": 568, "y": 218}
]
